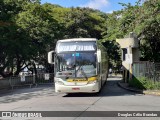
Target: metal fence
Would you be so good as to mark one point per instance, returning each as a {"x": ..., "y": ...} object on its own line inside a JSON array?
[
  {"x": 27, "y": 80},
  {"x": 45, "y": 78},
  {"x": 16, "y": 81},
  {"x": 149, "y": 70}
]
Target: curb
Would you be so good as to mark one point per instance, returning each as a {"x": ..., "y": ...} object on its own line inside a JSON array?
[
  {"x": 156, "y": 93},
  {"x": 147, "y": 92},
  {"x": 130, "y": 89}
]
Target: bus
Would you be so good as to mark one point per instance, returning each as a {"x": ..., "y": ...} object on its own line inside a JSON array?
[{"x": 80, "y": 65}]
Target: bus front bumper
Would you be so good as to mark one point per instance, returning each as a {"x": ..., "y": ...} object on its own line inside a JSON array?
[{"x": 89, "y": 88}]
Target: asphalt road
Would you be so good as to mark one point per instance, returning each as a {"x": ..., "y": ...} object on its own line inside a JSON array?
[{"x": 111, "y": 98}]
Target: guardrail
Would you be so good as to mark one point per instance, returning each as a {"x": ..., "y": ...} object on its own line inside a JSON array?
[
  {"x": 27, "y": 80},
  {"x": 22, "y": 81}
]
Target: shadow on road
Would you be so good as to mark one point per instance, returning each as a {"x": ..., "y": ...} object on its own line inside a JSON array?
[
  {"x": 109, "y": 89},
  {"x": 15, "y": 95}
]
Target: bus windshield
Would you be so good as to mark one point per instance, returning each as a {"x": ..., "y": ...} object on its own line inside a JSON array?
[{"x": 75, "y": 64}]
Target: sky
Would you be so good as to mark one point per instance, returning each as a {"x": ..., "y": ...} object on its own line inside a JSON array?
[{"x": 107, "y": 6}]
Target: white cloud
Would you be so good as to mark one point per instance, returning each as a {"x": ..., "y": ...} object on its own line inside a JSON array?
[
  {"x": 110, "y": 12},
  {"x": 96, "y": 4}
]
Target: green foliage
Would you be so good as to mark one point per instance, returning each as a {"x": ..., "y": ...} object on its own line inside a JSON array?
[
  {"x": 148, "y": 30},
  {"x": 142, "y": 19},
  {"x": 11, "y": 39},
  {"x": 42, "y": 29},
  {"x": 109, "y": 39},
  {"x": 144, "y": 84},
  {"x": 29, "y": 30},
  {"x": 84, "y": 22},
  {"x": 26, "y": 33}
]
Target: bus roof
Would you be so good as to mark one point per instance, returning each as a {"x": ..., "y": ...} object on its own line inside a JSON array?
[{"x": 77, "y": 39}]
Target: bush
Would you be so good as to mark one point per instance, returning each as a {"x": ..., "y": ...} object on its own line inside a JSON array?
[
  {"x": 144, "y": 83},
  {"x": 157, "y": 86}
]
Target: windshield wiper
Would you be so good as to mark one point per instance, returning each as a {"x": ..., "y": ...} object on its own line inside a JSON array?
[{"x": 82, "y": 72}]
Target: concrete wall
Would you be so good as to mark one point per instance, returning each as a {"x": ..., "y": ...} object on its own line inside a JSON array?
[
  {"x": 126, "y": 42},
  {"x": 133, "y": 54},
  {"x": 136, "y": 54}
]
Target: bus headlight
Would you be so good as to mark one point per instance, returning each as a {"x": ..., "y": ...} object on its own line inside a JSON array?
[
  {"x": 92, "y": 82},
  {"x": 57, "y": 81},
  {"x": 60, "y": 82}
]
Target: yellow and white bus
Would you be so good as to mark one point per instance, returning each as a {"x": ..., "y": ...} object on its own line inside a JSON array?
[{"x": 80, "y": 65}]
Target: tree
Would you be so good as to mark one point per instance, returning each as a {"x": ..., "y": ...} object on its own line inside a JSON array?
[
  {"x": 9, "y": 35},
  {"x": 142, "y": 19},
  {"x": 148, "y": 30},
  {"x": 42, "y": 30},
  {"x": 26, "y": 31},
  {"x": 85, "y": 22},
  {"x": 29, "y": 30},
  {"x": 109, "y": 36}
]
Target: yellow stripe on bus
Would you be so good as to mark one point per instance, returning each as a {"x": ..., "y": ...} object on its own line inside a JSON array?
[{"x": 82, "y": 79}]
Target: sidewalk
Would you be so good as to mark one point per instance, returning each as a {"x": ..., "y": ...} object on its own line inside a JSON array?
[
  {"x": 22, "y": 89},
  {"x": 145, "y": 92}
]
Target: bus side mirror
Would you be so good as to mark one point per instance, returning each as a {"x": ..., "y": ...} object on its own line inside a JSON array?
[
  {"x": 99, "y": 55},
  {"x": 50, "y": 57}
]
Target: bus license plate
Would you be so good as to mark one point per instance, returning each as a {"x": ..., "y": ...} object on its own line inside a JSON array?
[{"x": 75, "y": 88}]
